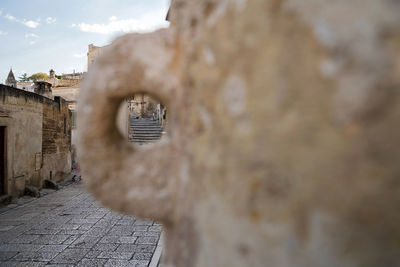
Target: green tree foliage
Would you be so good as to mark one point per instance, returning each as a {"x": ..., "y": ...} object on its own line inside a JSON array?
[
  {"x": 24, "y": 78},
  {"x": 40, "y": 76}
]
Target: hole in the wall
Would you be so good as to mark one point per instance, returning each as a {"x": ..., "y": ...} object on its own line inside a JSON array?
[{"x": 142, "y": 119}]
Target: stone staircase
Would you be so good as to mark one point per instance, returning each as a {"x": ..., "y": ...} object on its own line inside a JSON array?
[{"x": 142, "y": 131}]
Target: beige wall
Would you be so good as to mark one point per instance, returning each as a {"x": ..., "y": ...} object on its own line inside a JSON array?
[
  {"x": 22, "y": 117},
  {"x": 143, "y": 106},
  {"x": 56, "y": 141},
  {"x": 93, "y": 53},
  {"x": 21, "y": 112}
]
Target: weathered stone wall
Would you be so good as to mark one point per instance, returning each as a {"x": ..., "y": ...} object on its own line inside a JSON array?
[
  {"x": 23, "y": 114},
  {"x": 93, "y": 53},
  {"x": 56, "y": 141},
  {"x": 283, "y": 138},
  {"x": 75, "y": 83},
  {"x": 142, "y": 106}
]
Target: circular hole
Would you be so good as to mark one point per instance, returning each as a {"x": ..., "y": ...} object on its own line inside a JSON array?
[{"x": 142, "y": 119}]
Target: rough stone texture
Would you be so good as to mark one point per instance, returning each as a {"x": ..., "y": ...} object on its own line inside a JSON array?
[
  {"x": 56, "y": 142},
  {"x": 35, "y": 138},
  {"x": 283, "y": 136}
]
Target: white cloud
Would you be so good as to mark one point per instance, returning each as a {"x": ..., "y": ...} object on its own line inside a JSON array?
[
  {"x": 50, "y": 20},
  {"x": 31, "y": 35},
  {"x": 11, "y": 18},
  {"x": 147, "y": 23},
  {"x": 27, "y": 23},
  {"x": 32, "y": 42},
  {"x": 80, "y": 55},
  {"x": 3, "y": 33},
  {"x": 31, "y": 23}
]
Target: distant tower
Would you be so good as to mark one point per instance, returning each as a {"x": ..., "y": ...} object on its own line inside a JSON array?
[
  {"x": 52, "y": 74},
  {"x": 10, "y": 81}
]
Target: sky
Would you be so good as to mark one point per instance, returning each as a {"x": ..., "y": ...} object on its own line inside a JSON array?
[{"x": 39, "y": 35}]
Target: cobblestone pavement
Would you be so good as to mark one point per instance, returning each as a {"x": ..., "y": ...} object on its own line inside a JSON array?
[{"x": 69, "y": 228}]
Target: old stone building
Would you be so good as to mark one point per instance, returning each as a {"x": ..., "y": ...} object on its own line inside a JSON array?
[
  {"x": 67, "y": 87},
  {"x": 35, "y": 140},
  {"x": 93, "y": 53},
  {"x": 43, "y": 88},
  {"x": 143, "y": 106},
  {"x": 28, "y": 86}
]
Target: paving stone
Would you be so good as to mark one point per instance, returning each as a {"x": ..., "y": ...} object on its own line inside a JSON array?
[
  {"x": 83, "y": 221},
  {"x": 115, "y": 255},
  {"x": 60, "y": 265},
  {"x": 142, "y": 233},
  {"x": 43, "y": 232},
  {"x": 31, "y": 264},
  {"x": 9, "y": 263},
  {"x": 147, "y": 240},
  {"x": 110, "y": 239},
  {"x": 140, "y": 228},
  {"x": 118, "y": 263},
  {"x": 71, "y": 239},
  {"x": 24, "y": 239},
  {"x": 105, "y": 247},
  {"x": 142, "y": 256},
  {"x": 7, "y": 255},
  {"x": 72, "y": 232},
  {"x": 20, "y": 247},
  {"x": 85, "y": 242},
  {"x": 50, "y": 239},
  {"x": 35, "y": 256},
  {"x": 136, "y": 248},
  {"x": 155, "y": 228},
  {"x": 69, "y": 228},
  {"x": 91, "y": 262},
  {"x": 6, "y": 228},
  {"x": 121, "y": 230},
  {"x": 97, "y": 231},
  {"x": 93, "y": 254},
  {"x": 96, "y": 215},
  {"x": 139, "y": 263},
  {"x": 52, "y": 248},
  {"x": 127, "y": 239},
  {"x": 70, "y": 256},
  {"x": 86, "y": 226},
  {"x": 143, "y": 222}
]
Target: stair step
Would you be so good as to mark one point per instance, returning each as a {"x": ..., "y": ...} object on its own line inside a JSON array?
[{"x": 142, "y": 131}]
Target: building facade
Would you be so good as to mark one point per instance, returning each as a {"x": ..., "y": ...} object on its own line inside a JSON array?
[{"x": 35, "y": 140}]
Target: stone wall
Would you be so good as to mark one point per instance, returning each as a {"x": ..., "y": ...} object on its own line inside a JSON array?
[
  {"x": 143, "y": 106},
  {"x": 23, "y": 113},
  {"x": 93, "y": 53},
  {"x": 75, "y": 83},
  {"x": 56, "y": 141}
]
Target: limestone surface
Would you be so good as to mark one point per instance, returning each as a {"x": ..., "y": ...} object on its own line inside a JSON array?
[{"x": 282, "y": 145}]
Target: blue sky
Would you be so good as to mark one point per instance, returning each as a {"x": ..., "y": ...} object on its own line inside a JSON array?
[{"x": 39, "y": 35}]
